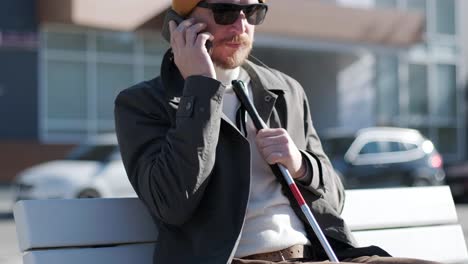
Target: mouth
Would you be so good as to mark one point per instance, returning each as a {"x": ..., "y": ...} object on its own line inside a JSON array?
[{"x": 233, "y": 44}]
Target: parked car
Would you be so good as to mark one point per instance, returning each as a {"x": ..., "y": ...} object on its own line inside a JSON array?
[
  {"x": 384, "y": 157},
  {"x": 93, "y": 169},
  {"x": 457, "y": 179}
]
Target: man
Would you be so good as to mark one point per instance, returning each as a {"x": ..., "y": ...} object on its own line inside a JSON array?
[{"x": 201, "y": 168}]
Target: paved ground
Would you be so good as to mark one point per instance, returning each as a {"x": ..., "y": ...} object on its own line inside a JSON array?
[
  {"x": 9, "y": 252},
  {"x": 462, "y": 211}
]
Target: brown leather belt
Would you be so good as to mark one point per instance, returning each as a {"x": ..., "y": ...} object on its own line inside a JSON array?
[{"x": 293, "y": 252}]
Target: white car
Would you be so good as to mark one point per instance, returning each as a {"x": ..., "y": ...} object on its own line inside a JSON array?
[
  {"x": 378, "y": 157},
  {"x": 94, "y": 169}
]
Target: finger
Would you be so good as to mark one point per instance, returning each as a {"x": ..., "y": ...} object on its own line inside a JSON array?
[
  {"x": 185, "y": 24},
  {"x": 179, "y": 33},
  {"x": 269, "y": 155},
  {"x": 172, "y": 28},
  {"x": 274, "y": 157},
  {"x": 272, "y": 131},
  {"x": 192, "y": 32},
  {"x": 275, "y": 148},
  {"x": 265, "y": 141},
  {"x": 202, "y": 38}
]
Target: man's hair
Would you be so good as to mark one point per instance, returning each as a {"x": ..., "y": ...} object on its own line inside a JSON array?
[{"x": 185, "y": 7}]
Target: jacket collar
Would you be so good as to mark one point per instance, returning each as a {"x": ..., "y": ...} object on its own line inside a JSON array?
[
  {"x": 266, "y": 87},
  {"x": 266, "y": 84},
  {"x": 264, "y": 77},
  {"x": 172, "y": 80}
]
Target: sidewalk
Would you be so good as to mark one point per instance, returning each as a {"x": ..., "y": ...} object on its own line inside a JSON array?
[{"x": 9, "y": 252}]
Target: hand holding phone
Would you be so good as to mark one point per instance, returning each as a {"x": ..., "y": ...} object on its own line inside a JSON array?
[{"x": 188, "y": 42}]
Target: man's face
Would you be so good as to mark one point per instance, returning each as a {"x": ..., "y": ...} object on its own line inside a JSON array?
[{"x": 232, "y": 43}]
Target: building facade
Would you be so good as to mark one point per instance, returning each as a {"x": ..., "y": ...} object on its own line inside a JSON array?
[
  {"x": 58, "y": 79},
  {"x": 425, "y": 88}
]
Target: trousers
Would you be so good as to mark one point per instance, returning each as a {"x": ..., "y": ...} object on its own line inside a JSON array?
[{"x": 363, "y": 259}]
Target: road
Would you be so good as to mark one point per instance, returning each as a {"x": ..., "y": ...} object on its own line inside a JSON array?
[
  {"x": 9, "y": 252},
  {"x": 462, "y": 211}
]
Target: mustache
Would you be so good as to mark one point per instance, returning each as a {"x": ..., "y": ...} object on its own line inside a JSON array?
[{"x": 241, "y": 39}]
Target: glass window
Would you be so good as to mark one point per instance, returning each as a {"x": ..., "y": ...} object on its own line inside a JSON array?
[
  {"x": 80, "y": 103},
  {"x": 371, "y": 147},
  {"x": 337, "y": 147},
  {"x": 67, "y": 134},
  {"x": 92, "y": 152},
  {"x": 445, "y": 91},
  {"x": 447, "y": 142},
  {"x": 106, "y": 127},
  {"x": 387, "y": 86},
  {"x": 154, "y": 44},
  {"x": 418, "y": 95},
  {"x": 394, "y": 146},
  {"x": 386, "y": 3},
  {"x": 151, "y": 72},
  {"x": 445, "y": 16},
  {"x": 444, "y": 51},
  {"x": 66, "y": 90},
  {"x": 112, "y": 78},
  {"x": 409, "y": 146},
  {"x": 66, "y": 41},
  {"x": 418, "y": 6},
  {"x": 116, "y": 42}
]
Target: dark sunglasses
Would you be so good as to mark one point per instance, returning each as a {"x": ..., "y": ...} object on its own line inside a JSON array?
[{"x": 227, "y": 14}]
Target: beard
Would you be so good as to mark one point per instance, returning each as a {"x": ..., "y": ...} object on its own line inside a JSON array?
[{"x": 230, "y": 58}]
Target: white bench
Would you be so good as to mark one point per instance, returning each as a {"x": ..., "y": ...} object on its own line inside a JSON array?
[{"x": 407, "y": 222}]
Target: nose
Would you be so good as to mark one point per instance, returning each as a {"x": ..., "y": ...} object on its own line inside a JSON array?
[{"x": 240, "y": 25}]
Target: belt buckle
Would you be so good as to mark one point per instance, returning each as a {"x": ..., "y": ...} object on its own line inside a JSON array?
[{"x": 281, "y": 255}]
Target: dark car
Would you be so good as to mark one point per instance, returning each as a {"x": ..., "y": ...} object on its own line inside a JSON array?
[
  {"x": 378, "y": 157},
  {"x": 457, "y": 179}
]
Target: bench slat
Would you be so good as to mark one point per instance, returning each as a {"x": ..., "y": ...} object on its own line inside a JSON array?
[
  {"x": 399, "y": 207},
  {"x": 82, "y": 222},
  {"x": 445, "y": 244},
  {"x": 62, "y": 224},
  {"x": 123, "y": 254}
]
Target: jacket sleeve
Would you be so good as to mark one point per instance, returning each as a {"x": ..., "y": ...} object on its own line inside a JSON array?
[
  {"x": 168, "y": 163},
  {"x": 322, "y": 179}
]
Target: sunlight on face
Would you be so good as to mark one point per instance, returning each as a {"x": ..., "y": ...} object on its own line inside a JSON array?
[{"x": 232, "y": 44}]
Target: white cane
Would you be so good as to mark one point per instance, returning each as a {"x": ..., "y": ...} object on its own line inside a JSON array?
[{"x": 238, "y": 87}]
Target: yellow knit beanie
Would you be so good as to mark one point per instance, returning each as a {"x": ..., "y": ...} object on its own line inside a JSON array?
[{"x": 184, "y": 7}]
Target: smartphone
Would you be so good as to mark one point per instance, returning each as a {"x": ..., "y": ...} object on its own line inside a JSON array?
[{"x": 166, "y": 33}]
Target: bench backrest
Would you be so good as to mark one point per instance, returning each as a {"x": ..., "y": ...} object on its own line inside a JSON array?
[{"x": 407, "y": 222}]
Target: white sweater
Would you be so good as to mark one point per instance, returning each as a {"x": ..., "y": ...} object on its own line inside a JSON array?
[{"x": 270, "y": 222}]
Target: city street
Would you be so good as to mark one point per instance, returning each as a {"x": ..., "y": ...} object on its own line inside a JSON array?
[{"x": 9, "y": 252}]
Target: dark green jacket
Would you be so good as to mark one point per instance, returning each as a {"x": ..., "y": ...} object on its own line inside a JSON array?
[{"x": 191, "y": 167}]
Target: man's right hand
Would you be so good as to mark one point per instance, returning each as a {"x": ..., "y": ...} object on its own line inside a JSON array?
[{"x": 188, "y": 46}]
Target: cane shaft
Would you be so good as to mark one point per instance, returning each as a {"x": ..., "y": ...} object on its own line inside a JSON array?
[{"x": 238, "y": 87}]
